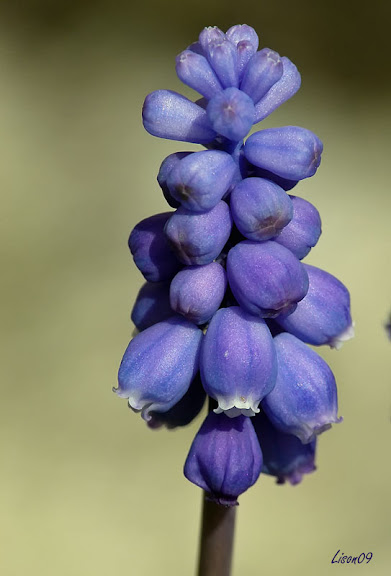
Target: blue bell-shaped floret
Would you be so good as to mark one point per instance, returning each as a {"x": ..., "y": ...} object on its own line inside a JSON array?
[
  {"x": 196, "y": 292},
  {"x": 152, "y": 305},
  {"x": 303, "y": 231},
  {"x": 159, "y": 365},
  {"x": 304, "y": 400},
  {"x": 266, "y": 278},
  {"x": 323, "y": 316},
  {"x": 238, "y": 361},
  {"x": 284, "y": 455},
  {"x": 150, "y": 250}
]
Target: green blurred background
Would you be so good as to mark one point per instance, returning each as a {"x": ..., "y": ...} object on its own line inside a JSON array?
[{"x": 85, "y": 487}]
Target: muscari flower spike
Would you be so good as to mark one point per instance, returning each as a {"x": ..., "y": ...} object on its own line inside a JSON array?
[{"x": 229, "y": 309}]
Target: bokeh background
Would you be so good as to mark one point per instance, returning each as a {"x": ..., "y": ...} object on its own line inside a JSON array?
[{"x": 85, "y": 487}]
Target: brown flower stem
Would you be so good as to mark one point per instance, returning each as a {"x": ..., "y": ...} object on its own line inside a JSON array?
[{"x": 217, "y": 538}]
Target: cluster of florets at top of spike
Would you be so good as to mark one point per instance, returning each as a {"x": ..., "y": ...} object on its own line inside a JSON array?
[{"x": 229, "y": 308}]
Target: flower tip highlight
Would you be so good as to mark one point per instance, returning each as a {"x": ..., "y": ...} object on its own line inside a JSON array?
[{"x": 338, "y": 341}]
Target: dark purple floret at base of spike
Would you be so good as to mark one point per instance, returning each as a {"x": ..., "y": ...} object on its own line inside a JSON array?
[
  {"x": 284, "y": 455},
  {"x": 225, "y": 458}
]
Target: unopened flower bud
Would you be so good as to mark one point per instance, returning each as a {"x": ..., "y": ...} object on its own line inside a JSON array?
[
  {"x": 290, "y": 151},
  {"x": 245, "y": 51},
  {"x": 266, "y": 278},
  {"x": 201, "y": 179},
  {"x": 323, "y": 316},
  {"x": 159, "y": 365},
  {"x": 166, "y": 167},
  {"x": 194, "y": 70},
  {"x": 243, "y": 32},
  {"x": 303, "y": 231},
  {"x": 209, "y": 35},
  {"x": 152, "y": 305},
  {"x": 196, "y": 292},
  {"x": 246, "y": 41},
  {"x": 199, "y": 238},
  {"x": 262, "y": 72},
  {"x": 231, "y": 114},
  {"x": 170, "y": 115},
  {"x": 260, "y": 208},
  {"x": 304, "y": 399},
  {"x": 238, "y": 361},
  {"x": 151, "y": 251},
  {"x": 280, "y": 92},
  {"x": 223, "y": 58},
  {"x": 196, "y": 48},
  {"x": 225, "y": 458}
]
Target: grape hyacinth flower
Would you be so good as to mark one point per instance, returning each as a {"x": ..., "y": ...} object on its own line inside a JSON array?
[
  {"x": 303, "y": 401},
  {"x": 159, "y": 365},
  {"x": 225, "y": 458},
  {"x": 323, "y": 316},
  {"x": 238, "y": 361},
  {"x": 284, "y": 455},
  {"x": 229, "y": 308}
]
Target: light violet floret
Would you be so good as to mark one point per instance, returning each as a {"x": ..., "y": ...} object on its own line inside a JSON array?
[
  {"x": 159, "y": 365},
  {"x": 200, "y": 180},
  {"x": 323, "y": 316},
  {"x": 263, "y": 70},
  {"x": 170, "y": 115},
  {"x": 303, "y": 231},
  {"x": 231, "y": 114},
  {"x": 222, "y": 56},
  {"x": 199, "y": 238},
  {"x": 196, "y": 292},
  {"x": 290, "y": 151},
  {"x": 260, "y": 208},
  {"x": 266, "y": 278},
  {"x": 304, "y": 400},
  {"x": 238, "y": 361},
  {"x": 243, "y": 33},
  {"x": 280, "y": 92},
  {"x": 195, "y": 71}
]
